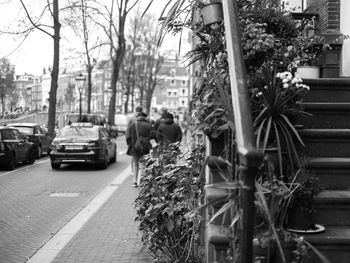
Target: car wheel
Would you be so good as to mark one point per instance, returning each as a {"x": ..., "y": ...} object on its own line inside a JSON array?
[
  {"x": 114, "y": 158},
  {"x": 105, "y": 161},
  {"x": 32, "y": 156},
  {"x": 39, "y": 152},
  {"x": 55, "y": 166},
  {"x": 11, "y": 161}
]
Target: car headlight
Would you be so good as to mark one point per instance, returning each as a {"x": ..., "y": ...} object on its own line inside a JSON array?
[
  {"x": 92, "y": 146},
  {"x": 55, "y": 146}
]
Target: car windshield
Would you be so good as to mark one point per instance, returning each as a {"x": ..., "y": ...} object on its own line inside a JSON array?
[
  {"x": 78, "y": 133},
  {"x": 25, "y": 130}
]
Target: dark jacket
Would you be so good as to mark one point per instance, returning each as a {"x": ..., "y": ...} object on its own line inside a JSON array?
[
  {"x": 145, "y": 129},
  {"x": 168, "y": 131},
  {"x": 159, "y": 121}
]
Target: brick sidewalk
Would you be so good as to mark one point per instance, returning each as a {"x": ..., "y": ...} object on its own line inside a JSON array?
[{"x": 111, "y": 234}]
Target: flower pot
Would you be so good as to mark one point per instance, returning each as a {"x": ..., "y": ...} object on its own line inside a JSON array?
[
  {"x": 212, "y": 13},
  {"x": 299, "y": 219},
  {"x": 308, "y": 72}
]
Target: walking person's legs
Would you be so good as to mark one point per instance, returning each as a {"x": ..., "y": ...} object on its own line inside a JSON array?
[{"x": 135, "y": 169}]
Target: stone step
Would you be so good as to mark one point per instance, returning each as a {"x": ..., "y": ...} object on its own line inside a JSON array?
[
  {"x": 333, "y": 173},
  {"x": 328, "y": 90},
  {"x": 326, "y": 115},
  {"x": 325, "y": 142},
  {"x": 334, "y": 243},
  {"x": 332, "y": 208}
]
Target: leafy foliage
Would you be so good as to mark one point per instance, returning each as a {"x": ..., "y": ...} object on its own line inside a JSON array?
[
  {"x": 276, "y": 106},
  {"x": 169, "y": 189},
  {"x": 305, "y": 190}
]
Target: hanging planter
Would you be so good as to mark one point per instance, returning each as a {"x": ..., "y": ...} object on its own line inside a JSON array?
[{"x": 212, "y": 13}]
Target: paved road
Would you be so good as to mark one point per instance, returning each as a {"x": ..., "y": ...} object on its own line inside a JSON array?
[{"x": 37, "y": 201}]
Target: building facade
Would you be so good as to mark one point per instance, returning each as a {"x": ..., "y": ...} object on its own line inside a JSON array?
[{"x": 173, "y": 90}]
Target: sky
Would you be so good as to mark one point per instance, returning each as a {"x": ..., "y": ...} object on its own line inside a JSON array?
[{"x": 36, "y": 52}]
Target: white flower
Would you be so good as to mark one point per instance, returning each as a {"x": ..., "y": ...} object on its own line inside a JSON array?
[
  {"x": 285, "y": 80},
  {"x": 303, "y": 86},
  {"x": 278, "y": 75},
  {"x": 297, "y": 79},
  {"x": 287, "y": 75},
  {"x": 285, "y": 85}
]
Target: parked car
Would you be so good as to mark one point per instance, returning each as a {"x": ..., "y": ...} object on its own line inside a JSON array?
[
  {"x": 15, "y": 148},
  {"x": 121, "y": 121},
  {"x": 36, "y": 134},
  {"x": 94, "y": 118},
  {"x": 85, "y": 143}
]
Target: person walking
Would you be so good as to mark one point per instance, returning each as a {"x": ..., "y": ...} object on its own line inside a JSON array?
[
  {"x": 131, "y": 120},
  {"x": 163, "y": 113},
  {"x": 138, "y": 110},
  {"x": 168, "y": 131},
  {"x": 141, "y": 128}
]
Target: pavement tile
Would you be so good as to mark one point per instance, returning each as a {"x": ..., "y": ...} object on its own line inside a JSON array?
[{"x": 111, "y": 235}]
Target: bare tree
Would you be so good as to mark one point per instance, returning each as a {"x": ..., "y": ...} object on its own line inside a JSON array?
[
  {"x": 142, "y": 61},
  {"x": 69, "y": 95},
  {"x": 81, "y": 19},
  {"x": 6, "y": 81},
  {"x": 53, "y": 9},
  {"x": 149, "y": 61},
  {"x": 113, "y": 23}
]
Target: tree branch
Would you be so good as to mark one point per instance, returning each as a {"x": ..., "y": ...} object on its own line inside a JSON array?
[{"x": 32, "y": 22}]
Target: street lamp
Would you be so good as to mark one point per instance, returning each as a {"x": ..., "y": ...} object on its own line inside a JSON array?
[{"x": 80, "y": 78}]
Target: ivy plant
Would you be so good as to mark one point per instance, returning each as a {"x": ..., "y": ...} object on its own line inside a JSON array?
[{"x": 169, "y": 188}]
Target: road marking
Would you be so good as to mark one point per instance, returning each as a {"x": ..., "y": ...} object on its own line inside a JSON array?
[
  {"x": 51, "y": 249},
  {"x": 24, "y": 168}
]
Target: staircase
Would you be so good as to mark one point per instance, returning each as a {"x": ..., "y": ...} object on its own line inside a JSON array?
[{"x": 327, "y": 147}]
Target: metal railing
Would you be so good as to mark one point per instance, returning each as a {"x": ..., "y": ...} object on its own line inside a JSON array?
[{"x": 250, "y": 158}]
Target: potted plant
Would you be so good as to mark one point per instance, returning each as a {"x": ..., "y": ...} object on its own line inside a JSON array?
[
  {"x": 212, "y": 12},
  {"x": 306, "y": 49},
  {"x": 276, "y": 107},
  {"x": 300, "y": 204}
]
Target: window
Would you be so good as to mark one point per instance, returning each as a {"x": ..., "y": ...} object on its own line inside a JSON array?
[
  {"x": 7, "y": 135},
  {"x": 17, "y": 135},
  {"x": 175, "y": 94},
  {"x": 172, "y": 82},
  {"x": 169, "y": 93},
  {"x": 183, "y": 82}
]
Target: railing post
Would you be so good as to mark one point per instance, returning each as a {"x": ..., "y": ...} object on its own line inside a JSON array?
[
  {"x": 247, "y": 174},
  {"x": 249, "y": 158}
]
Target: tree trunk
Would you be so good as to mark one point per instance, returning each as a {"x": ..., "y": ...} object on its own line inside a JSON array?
[
  {"x": 3, "y": 104},
  {"x": 55, "y": 70},
  {"x": 89, "y": 91},
  {"x": 116, "y": 64}
]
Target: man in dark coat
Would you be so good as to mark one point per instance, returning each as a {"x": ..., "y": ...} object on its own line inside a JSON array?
[
  {"x": 138, "y": 110},
  {"x": 163, "y": 113},
  {"x": 168, "y": 131},
  {"x": 140, "y": 127}
]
